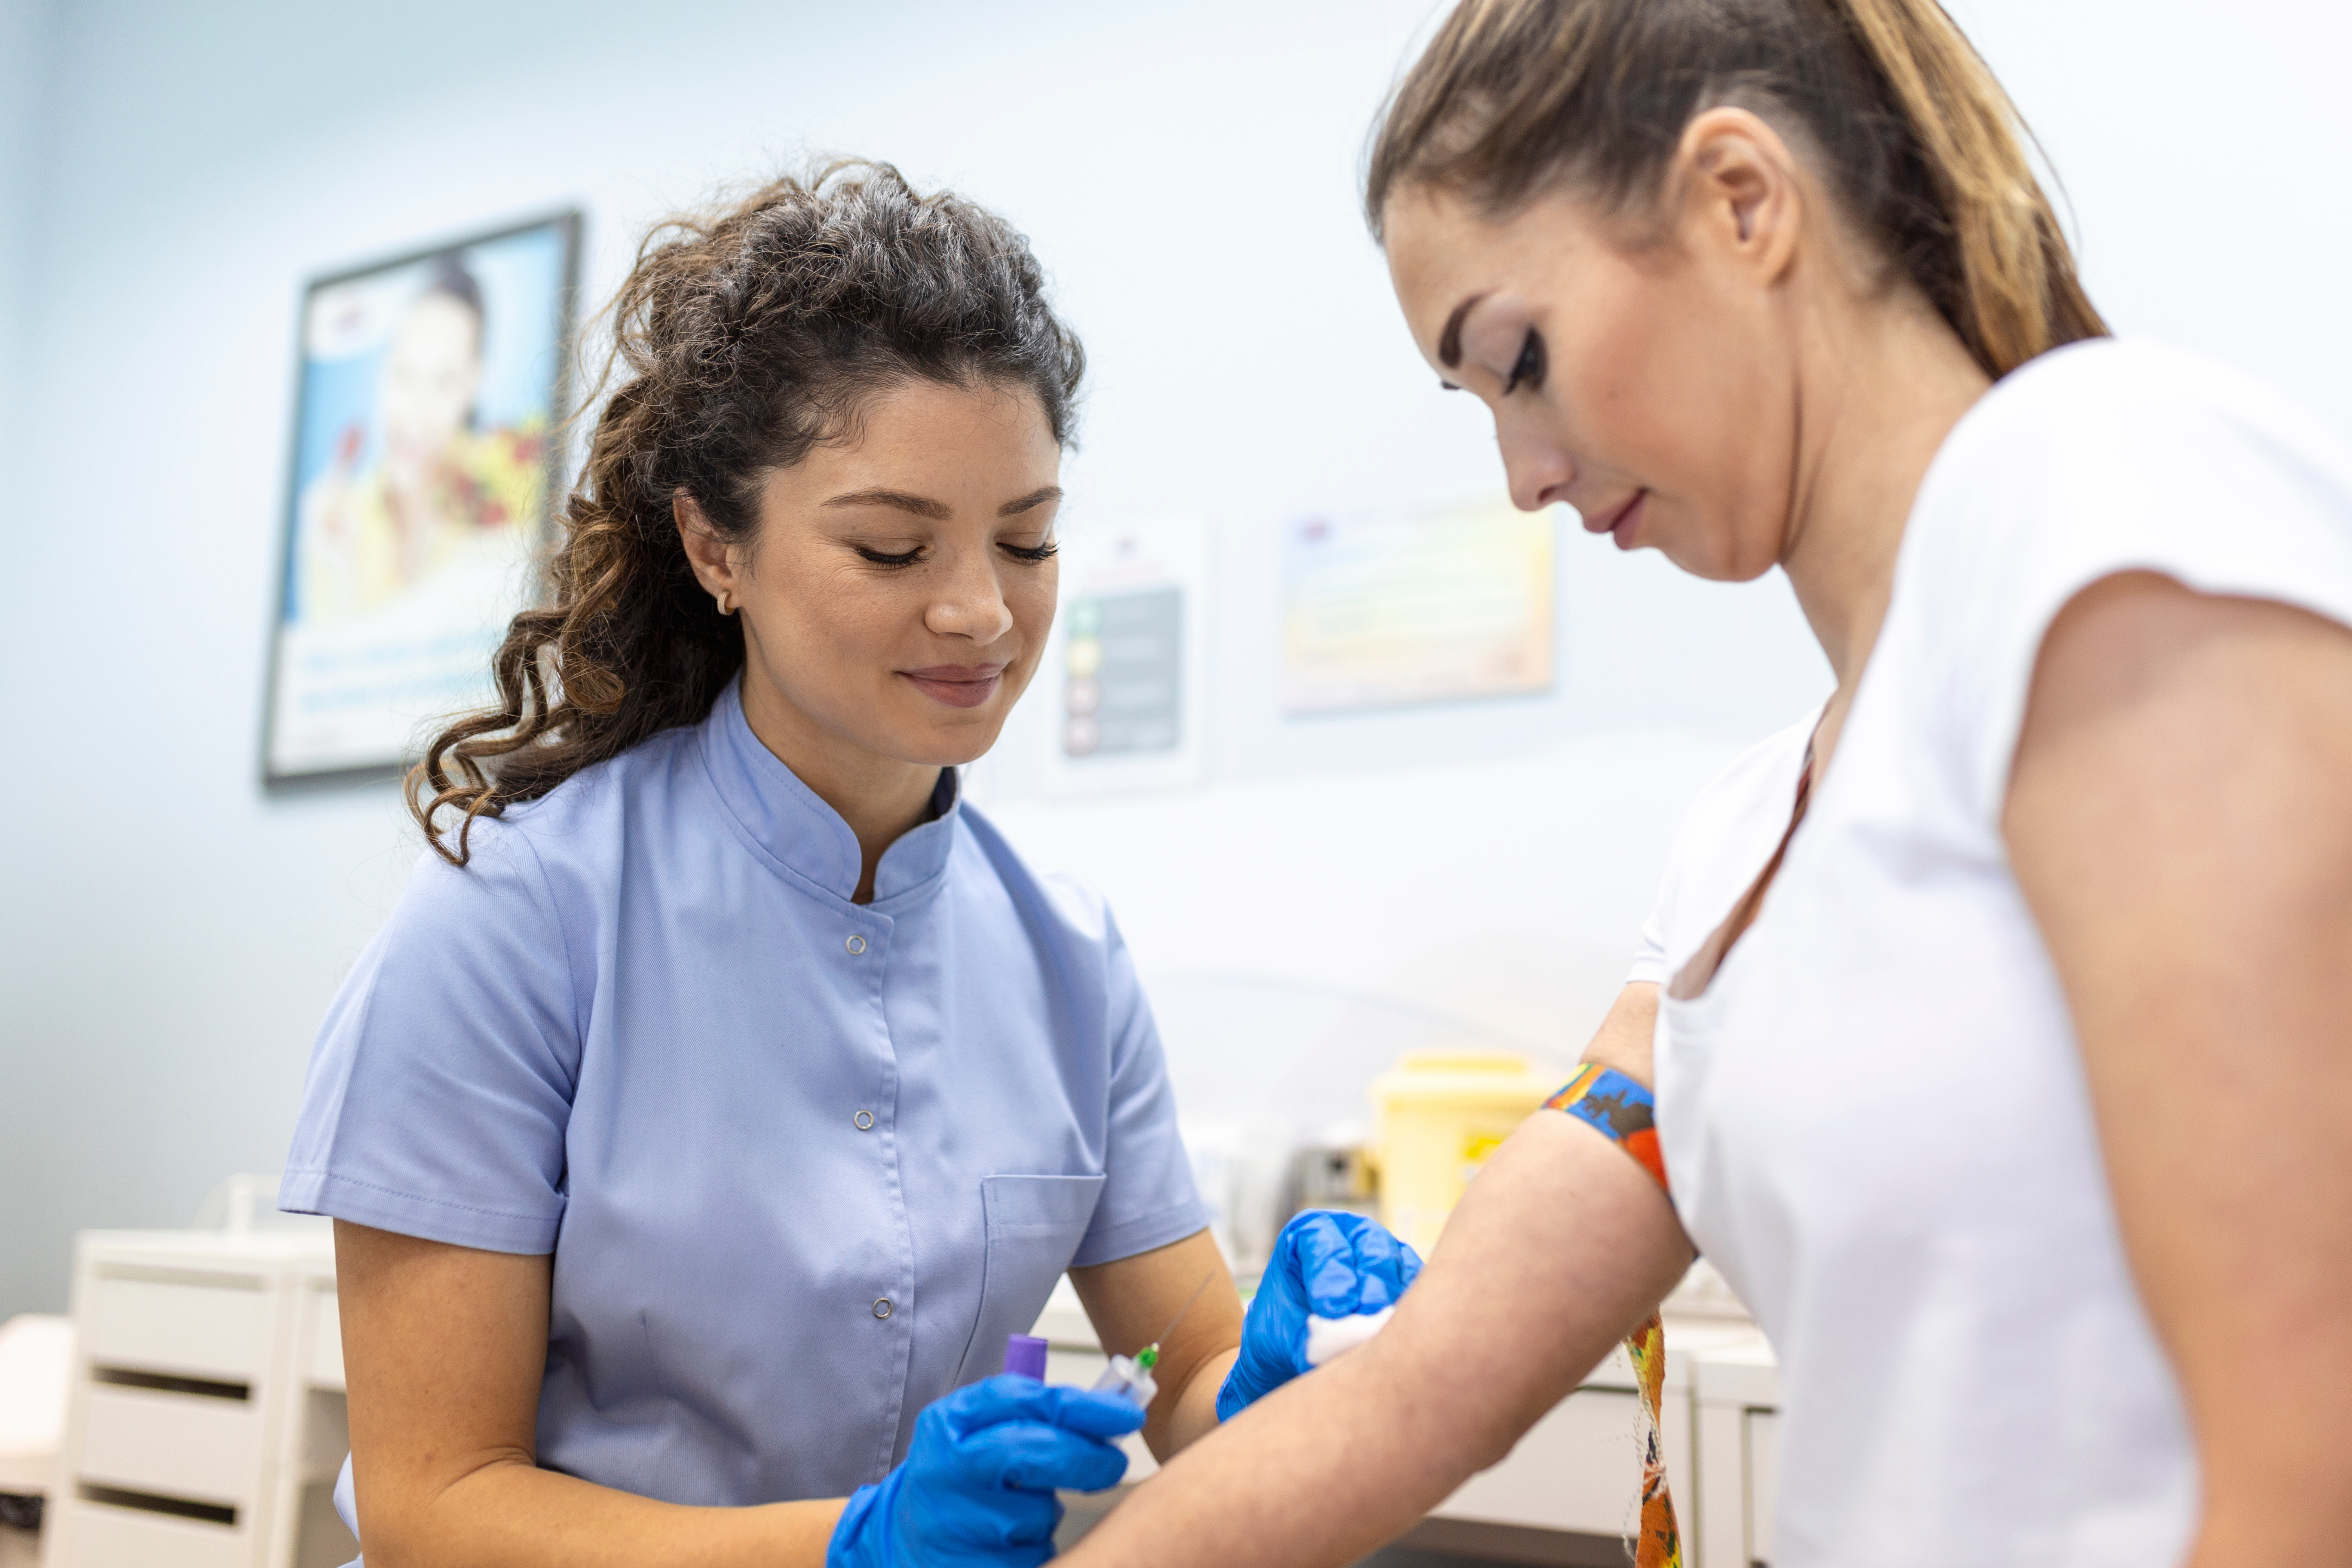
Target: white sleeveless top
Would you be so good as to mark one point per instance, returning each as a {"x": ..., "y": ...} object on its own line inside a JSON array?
[
  {"x": 1874, "y": 1118},
  {"x": 1729, "y": 830}
]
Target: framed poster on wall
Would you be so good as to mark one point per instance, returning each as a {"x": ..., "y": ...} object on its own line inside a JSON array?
[{"x": 416, "y": 517}]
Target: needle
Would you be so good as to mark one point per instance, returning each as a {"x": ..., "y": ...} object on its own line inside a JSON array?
[{"x": 1153, "y": 1348}]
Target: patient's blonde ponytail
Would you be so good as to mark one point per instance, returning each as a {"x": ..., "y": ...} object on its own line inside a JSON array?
[{"x": 2017, "y": 292}]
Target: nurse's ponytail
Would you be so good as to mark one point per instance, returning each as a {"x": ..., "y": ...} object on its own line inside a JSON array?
[
  {"x": 742, "y": 337},
  {"x": 1910, "y": 130}
]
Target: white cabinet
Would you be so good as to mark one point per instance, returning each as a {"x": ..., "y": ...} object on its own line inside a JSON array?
[{"x": 205, "y": 1412}]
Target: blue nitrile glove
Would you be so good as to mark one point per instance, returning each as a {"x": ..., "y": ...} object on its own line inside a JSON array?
[
  {"x": 1327, "y": 1263},
  {"x": 977, "y": 1488}
]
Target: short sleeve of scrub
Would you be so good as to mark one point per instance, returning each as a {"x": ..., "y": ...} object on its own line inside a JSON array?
[{"x": 442, "y": 1081}]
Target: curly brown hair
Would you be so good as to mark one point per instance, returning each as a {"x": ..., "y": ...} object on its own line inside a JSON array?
[{"x": 745, "y": 334}]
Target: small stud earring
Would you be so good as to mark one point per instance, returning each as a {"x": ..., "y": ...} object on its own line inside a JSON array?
[{"x": 723, "y": 601}]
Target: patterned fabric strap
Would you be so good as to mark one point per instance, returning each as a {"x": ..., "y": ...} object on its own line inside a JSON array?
[{"x": 1621, "y": 1110}]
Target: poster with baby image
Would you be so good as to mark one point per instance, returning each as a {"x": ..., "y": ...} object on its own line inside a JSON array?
[{"x": 417, "y": 512}]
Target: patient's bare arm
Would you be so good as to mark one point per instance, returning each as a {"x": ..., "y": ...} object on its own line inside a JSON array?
[{"x": 1562, "y": 1245}]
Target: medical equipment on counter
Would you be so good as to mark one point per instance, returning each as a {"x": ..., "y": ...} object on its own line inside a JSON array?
[
  {"x": 1440, "y": 1114},
  {"x": 1333, "y": 1170},
  {"x": 1266, "y": 1063}
]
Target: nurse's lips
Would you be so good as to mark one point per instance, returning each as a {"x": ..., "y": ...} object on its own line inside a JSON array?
[
  {"x": 957, "y": 685},
  {"x": 1618, "y": 522}
]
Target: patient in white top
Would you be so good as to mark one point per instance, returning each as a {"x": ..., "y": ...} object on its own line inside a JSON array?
[{"x": 2001, "y": 1059}]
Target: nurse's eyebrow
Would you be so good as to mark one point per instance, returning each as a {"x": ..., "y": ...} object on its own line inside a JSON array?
[
  {"x": 921, "y": 506},
  {"x": 1449, "y": 341},
  {"x": 1031, "y": 501}
]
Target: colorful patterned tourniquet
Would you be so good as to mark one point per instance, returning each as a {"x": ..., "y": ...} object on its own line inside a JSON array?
[{"x": 1619, "y": 1108}]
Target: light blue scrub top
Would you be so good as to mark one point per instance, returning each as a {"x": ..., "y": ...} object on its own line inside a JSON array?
[{"x": 802, "y": 1164}]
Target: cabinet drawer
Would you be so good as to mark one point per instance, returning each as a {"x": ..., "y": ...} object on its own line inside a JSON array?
[
  {"x": 174, "y": 1444},
  {"x": 1578, "y": 1468},
  {"x": 98, "y": 1536},
  {"x": 213, "y": 1331}
]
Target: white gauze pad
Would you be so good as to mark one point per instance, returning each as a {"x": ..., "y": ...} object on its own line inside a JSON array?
[{"x": 1328, "y": 1339}]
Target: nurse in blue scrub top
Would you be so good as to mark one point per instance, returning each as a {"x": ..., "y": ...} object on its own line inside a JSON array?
[{"x": 724, "y": 1089}]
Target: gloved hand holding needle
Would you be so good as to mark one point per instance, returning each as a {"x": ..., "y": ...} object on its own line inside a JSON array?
[{"x": 1327, "y": 1265}]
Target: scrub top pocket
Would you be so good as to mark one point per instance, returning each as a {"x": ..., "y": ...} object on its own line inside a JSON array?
[{"x": 1035, "y": 1225}]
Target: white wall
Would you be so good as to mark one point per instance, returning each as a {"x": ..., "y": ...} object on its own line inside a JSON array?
[
  {"x": 25, "y": 28},
  {"x": 2197, "y": 145},
  {"x": 169, "y": 934}
]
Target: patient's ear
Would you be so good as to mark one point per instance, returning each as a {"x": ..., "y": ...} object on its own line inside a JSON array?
[{"x": 1741, "y": 193}]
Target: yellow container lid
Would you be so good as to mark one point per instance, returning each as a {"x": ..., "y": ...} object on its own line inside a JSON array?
[{"x": 1456, "y": 1078}]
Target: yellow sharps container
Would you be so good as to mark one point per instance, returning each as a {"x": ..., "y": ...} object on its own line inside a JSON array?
[{"x": 1439, "y": 1114}]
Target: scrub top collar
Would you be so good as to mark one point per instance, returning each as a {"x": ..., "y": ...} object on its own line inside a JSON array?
[{"x": 786, "y": 818}]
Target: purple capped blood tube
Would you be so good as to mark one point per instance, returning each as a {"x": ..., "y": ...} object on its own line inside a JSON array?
[{"x": 1025, "y": 1354}]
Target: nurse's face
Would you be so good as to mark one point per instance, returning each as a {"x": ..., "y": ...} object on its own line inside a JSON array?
[
  {"x": 897, "y": 597},
  {"x": 1646, "y": 388}
]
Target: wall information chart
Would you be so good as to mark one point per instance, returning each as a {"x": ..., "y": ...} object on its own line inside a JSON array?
[
  {"x": 1428, "y": 607},
  {"x": 1123, "y": 692},
  {"x": 1127, "y": 653}
]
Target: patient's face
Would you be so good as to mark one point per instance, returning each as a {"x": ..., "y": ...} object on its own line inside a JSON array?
[{"x": 1642, "y": 385}]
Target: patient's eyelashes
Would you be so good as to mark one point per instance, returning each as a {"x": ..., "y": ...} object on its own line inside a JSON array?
[{"x": 1529, "y": 371}]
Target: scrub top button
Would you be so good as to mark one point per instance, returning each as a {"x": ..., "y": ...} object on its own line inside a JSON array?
[
  {"x": 864, "y": 1120},
  {"x": 882, "y": 1307},
  {"x": 858, "y": 944}
]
